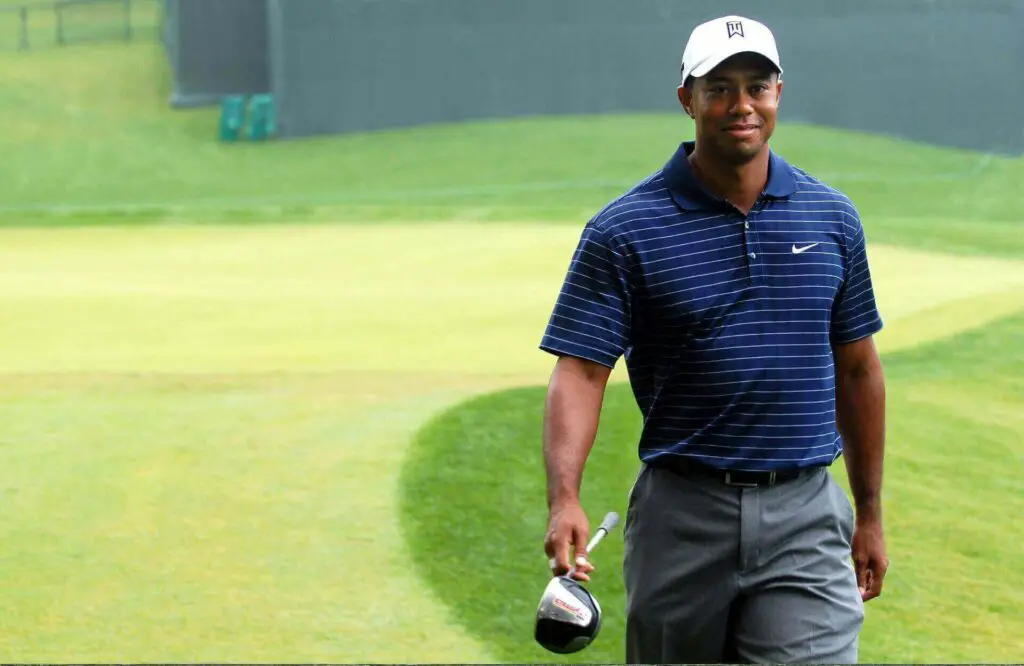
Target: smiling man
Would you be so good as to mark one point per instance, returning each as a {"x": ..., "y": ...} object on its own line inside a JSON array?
[{"x": 738, "y": 290}]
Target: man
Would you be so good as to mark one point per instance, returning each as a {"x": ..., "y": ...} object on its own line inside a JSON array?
[{"x": 737, "y": 288}]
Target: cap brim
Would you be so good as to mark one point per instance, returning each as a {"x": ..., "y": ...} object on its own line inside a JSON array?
[{"x": 703, "y": 68}]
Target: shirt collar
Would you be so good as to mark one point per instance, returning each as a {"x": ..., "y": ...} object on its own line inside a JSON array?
[{"x": 689, "y": 194}]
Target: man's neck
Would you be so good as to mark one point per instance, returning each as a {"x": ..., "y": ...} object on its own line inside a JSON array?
[{"x": 739, "y": 184}]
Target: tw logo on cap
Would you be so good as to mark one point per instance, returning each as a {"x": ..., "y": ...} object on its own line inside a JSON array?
[{"x": 734, "y": 28}]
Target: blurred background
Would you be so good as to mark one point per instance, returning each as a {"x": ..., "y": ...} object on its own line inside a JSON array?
[{"x": 273, "y": 275}]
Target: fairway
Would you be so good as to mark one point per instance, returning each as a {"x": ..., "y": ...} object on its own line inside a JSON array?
[{"x": 235, "y": 406}]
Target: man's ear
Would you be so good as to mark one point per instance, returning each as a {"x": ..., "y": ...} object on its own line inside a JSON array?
[{"x": 686, "y": 99}]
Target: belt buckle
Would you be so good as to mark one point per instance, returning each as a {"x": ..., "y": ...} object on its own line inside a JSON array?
[
  {"x": 729, "y": 482},
  {"x": 737, "y": 484}
]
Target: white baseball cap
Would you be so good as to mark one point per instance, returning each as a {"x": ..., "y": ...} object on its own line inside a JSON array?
[{"x": 713, "y": 42}]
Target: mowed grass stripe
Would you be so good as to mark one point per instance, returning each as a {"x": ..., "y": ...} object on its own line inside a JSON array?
[{"x": 473, "y": 503}]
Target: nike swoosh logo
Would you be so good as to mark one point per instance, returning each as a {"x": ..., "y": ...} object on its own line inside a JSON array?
[{"x": 798, "y": 250}]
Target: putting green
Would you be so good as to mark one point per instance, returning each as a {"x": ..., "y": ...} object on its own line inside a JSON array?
[
  {"x": 218, "y": 417},
  {"x": 926, "y": 296},
  {"x": 448, "y": 298}
]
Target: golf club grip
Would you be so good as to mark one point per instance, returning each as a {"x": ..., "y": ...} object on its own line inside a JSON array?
[{"x": 609, "y": 522}]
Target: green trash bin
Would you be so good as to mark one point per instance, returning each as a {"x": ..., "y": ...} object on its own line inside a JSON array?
[
  {"x": 232, "y": 117},
  {"x": 262, "y": 120}
]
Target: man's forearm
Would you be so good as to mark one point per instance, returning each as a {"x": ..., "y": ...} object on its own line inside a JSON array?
[
  {"x": 860, "y": 406},
  {"x": 571, "y": 417}
]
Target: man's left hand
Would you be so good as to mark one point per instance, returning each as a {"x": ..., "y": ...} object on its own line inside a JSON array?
[{"x": 869, "y": 559}]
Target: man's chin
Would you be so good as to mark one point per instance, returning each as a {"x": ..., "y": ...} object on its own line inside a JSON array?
[{"x": 741, "y": 152}]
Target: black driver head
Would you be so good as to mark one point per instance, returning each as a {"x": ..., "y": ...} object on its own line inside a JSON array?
[{"x": 568, "y": 617}]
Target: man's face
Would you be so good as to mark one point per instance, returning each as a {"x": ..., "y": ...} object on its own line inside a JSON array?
[{"x": 734, "y": 107}]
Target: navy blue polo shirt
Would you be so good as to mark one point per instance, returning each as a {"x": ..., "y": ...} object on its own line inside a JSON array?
[{"x": 726, "y": 322}]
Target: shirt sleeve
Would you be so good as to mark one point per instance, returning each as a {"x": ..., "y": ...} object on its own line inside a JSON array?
[
  {"x": 855, "y": 314},
  {"x": 591, "y": 316}
]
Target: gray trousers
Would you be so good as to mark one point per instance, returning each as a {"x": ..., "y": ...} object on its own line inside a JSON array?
[{"x": 716, "y": 573}]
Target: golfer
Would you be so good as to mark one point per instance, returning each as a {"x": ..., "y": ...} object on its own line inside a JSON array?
[{"x": 737, "y": 288}]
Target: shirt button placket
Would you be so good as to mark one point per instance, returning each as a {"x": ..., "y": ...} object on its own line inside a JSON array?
[{"x": 751, "y": 242}]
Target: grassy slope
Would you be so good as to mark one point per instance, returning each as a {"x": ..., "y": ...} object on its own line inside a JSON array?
[
  {"x": 475, "y": 518},
  {"x": 89, "y": 138}
]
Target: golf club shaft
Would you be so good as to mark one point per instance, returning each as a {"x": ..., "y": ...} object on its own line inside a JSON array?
[
  {"x": 607, "y": 525},
  {"x": 596, "y": 539}
]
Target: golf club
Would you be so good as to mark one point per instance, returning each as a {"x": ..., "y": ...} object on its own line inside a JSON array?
[{"x": 568, "y": 616}]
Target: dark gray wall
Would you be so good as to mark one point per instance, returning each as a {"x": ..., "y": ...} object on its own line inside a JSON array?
[
  {"x": 948, "y": 72},
  {"x": 942, "y": 71},
  {"x": 216, "y": 48}
]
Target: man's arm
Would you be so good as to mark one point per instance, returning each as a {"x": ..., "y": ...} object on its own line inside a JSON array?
[
  {"x": 860, "y": 415},
  {"x": 572, "y": 410}
]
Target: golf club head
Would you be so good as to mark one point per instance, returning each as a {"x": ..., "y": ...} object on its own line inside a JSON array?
[{"x": 568, "y": 616}]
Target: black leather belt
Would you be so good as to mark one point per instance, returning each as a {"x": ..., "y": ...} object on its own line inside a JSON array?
[{"x": 741, "y": 479}]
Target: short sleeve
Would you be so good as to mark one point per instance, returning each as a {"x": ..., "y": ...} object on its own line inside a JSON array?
[
  {"x": 591, "y": 316},
  {"x": 855, "y": 314}
]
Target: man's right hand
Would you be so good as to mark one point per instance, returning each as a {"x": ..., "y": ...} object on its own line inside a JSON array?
[{"x": 566, "y": 540}]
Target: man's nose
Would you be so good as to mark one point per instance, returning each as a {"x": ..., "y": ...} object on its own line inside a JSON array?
[{"x": 742, "y": 104}]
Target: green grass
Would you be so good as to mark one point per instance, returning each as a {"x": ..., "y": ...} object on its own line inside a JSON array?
[
  {"x": 90, "y": 139},
  {"x": 473, "y": 498},
  {"x": 206, "y": 518},
  {"x": 202, "y": 427}
]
